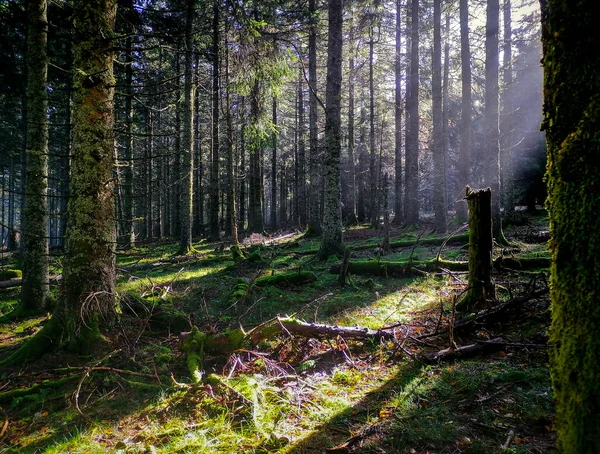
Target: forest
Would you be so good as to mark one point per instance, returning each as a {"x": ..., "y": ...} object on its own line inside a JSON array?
[{"x": 299, "y": 226}]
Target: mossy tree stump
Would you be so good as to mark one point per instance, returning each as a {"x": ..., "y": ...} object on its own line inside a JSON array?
[{"x": 481, "y": 288}]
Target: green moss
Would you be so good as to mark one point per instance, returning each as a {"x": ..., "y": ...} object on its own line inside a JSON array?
[{"x": 7, "y": 274}]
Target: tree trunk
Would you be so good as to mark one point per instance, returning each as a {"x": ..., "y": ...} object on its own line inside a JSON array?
[
  {"x": 187, "y": 149},
  {"x": 572, "y": 122},
  {"x": 507, "y": 124},
  {"x": 398, "y": 209},
  {"x": 373, "y": 211},
  {"x": 411, "y": 191},
  {"x": 332, "y": 240},
  {"x": 87, "y": 290},
  {"x": 34, "y": 227},
  {"x": 274, "y": 169},
  {"x": 301, "y": 161},
  {"x": 231, "y": 173},
  {"x": 314, "y": 215},
  {"x": 466, "y": 106},
  {"x": 255, "y": 187},
  {"x": 213, "y": 215},
  {"x": 350, "y": 196},
  {"x": 438, "y": 151},
  {"x": 492, "y": 132},
  {"x": 480, "y": 288},
  {"x": 127, "y": 183}
]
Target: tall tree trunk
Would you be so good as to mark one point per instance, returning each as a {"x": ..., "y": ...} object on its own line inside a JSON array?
[
  {"x": 34, "y": 226},
  {"x": 507, "y": 124},
  {"x": 87, "y": 291},
  {"x": 128, "y": 206},
  {"x": 491, "y": 120},
  {"x": 232, "y": 228},
  {"x": 398, "y": 208},
  {"x": 255, "y": 187},
  {"x": 445, "y": 107},
  {"x": 198, "y": 226},
  {"x": 149, "y": 204},
  {"x": 187, "y": 149},
  {"x": 214, "y": 233},
  {"x": 314, "y": 215},
  {"x": 274, "y": 169},
  {"x": 301, "y": 161},
  {"x": 464, "y": 162},
  {"x": 243, "y": 171},
  {"x": 411, "y": 191},
  {"x": 361, "y": 202},
  {"x": 175, "y": 175},
  {"x": 438, "y": 151},
  {"x": 350, "y": 196},
  {"x": 332, "y": 241},
  {"x": 373, "y": 211},
  {"x": 572, "y": 125}
]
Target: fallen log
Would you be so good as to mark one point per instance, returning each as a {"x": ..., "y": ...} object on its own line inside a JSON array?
[
  {"x": 460, "y": 239},
  {"x": 197, "y": 344},
  {"x": 466, "y": 351},
  {"x": 17, "y": 282},
  {"x": 404, "y": 268}
]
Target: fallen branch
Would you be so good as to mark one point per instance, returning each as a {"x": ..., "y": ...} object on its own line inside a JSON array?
[
  {"x": 470, "y": 321},
  {"x": 466, "y": 351}
]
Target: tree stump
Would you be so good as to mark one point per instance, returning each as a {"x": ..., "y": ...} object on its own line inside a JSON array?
[{"x": 481, "y": 288}]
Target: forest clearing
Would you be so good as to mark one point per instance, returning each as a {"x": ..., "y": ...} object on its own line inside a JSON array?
[{"x": 290, "y": 393}]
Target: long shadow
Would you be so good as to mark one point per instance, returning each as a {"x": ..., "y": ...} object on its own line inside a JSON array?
[
  {"x": 344, "y": 425},
  {"x": 432, "y": 416}
]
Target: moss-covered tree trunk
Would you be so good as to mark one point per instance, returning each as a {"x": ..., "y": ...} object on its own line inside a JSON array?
[
  {"x": 87, "y": 292},
  {"x": 481, "y": 288},
  {"x": 572, "y": 125},
  {"x": 35, "y": 232},
  {"x": 332, "y": 241}
]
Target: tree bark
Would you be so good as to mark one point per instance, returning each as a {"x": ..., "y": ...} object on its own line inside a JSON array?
[
  {"x": 480, "y": 286},
  {"x": 491, "y": 118},
  {"x": 214, "y": 231},
  {"x": 314, "y": 215},
  {"x": 35, "y": 232},
  {"x": 411, "y": 191},
  {"x": 507, "y": 124},
  {"x": 438, "y": 151},
  {"x": 572, "y": 125},
  {"x": 398, "y": 208},
  {"x": 332, "y": 241},
  {"x": 187, "y": 149},
  {"x": 466, "y": 106}
]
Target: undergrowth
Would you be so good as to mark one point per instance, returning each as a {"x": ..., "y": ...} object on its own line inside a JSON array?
[{"x": 288, "y": 394}]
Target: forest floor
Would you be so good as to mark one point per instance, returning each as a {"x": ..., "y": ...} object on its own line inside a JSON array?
[{"x": 290, "y": 394}]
